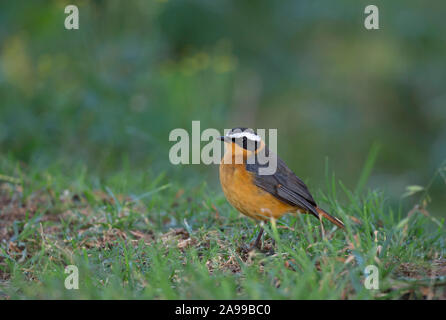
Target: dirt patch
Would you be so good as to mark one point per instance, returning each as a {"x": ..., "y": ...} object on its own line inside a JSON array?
[
  {"x": 11, "y": 209},
  {"x": 14, "y": 208},
  {"x": 436, "y": 269}
]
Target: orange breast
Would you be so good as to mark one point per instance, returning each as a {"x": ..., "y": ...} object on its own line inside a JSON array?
[{"x": 246, "y": 197}]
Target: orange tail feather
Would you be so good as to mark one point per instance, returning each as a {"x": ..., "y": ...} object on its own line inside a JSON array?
[{"x": 332, "y": 219}]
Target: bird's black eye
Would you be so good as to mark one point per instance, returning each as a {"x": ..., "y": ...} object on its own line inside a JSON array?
[
  {"x": 245, "y": 143},
  {"x": 249, "y": 144}
]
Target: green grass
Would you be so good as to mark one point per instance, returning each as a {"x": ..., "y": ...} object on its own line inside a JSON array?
[{"x": 144, "y": 236}]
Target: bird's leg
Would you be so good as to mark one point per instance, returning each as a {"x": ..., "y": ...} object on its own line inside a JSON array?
[{"x": 257, "y": 243}]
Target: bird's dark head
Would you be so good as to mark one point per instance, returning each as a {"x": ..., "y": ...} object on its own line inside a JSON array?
[{"x": 244, "y": 141}]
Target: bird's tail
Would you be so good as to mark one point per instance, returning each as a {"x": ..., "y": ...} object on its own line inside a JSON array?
[{"x": 332, "y": 219}]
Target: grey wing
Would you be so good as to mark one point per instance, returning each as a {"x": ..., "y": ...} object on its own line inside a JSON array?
[{"x": 285, "y": 186}]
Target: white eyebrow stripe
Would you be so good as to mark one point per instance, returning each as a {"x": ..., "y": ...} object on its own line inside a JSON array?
[{"x": 248, "y": 135}]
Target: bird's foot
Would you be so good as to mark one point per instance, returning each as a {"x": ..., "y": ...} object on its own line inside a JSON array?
[
  {"x": 269, "y": 248},
  {"x": 255, "y": 246}
]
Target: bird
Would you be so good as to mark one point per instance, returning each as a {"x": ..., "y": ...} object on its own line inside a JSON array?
[{"x": 262, "y": 196}]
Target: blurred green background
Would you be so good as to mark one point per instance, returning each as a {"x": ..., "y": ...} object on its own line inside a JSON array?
[{"x": 109, "y": 93}]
